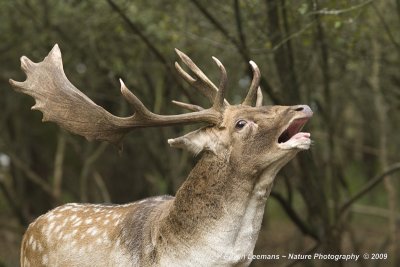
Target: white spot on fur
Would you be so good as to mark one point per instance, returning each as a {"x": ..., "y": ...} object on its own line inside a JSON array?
[
  {"x": 104, "y": 235},
  {"x": 64, "y": 208},
  {"x": 48, "y": 230},
  {"x": 67, "y": 236},
  {"x": 45, "y": 259},
  {"x": 57, "y": 229},
  {"x": 50, "y": 217},
  {"x": 72, "y": 218},
  {"x": 92, "y": 231},
  {"x": 60, "y": 235},
  {"x": 33, "y": 245},
  {"x": 77, "y": 223},
  {"x": 89, "y": 221},
  {"x": 64, "y": 223},
  {"x": 40, "y": 247}
]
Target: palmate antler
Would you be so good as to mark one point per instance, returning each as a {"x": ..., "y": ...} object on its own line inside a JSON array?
[{"x": 61, "y": 102}]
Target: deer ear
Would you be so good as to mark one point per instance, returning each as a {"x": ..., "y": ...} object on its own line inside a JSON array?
[{"x": 195, "y": 142}]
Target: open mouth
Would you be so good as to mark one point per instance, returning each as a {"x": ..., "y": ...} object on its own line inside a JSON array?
[{"x": 293, "y": 131}]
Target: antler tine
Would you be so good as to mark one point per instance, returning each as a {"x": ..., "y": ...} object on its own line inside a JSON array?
[
  {"x": 61, "y": 102},
  {"x": 259, "y": 100},
  {"x": 145, "y": 118},
  {"x": 139, "y": 108},
  {"x": 187, "y": 106},
  {"x": 219, "y": 98},
  {"x": 201, "y": 82},
  {"x": 254, "y": 84}
]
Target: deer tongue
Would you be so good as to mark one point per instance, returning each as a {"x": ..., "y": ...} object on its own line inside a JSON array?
[{"x": 293, "y": 131}]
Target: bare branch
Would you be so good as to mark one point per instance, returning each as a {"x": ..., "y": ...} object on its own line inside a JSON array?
[
  {"x": 336, "y": 12},
  {"x": 86, "y": 169},
  {"x": 386, "y": 27},
  {"x": 58, "y": 165},
  {"x": 239, "y": 47},
  {"x": 102, "y": 187},
  {"x": 31, "y": 175},
  {"x": 294, "y": 216},
  {"x": 139, "y": 33},
  {"x": 369, "y": 186}
]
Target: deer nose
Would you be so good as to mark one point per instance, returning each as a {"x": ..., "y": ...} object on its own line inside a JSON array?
[{"x": 303, "y": 108}]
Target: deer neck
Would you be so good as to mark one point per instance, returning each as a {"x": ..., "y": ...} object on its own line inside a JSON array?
[{"x": 220, "y": 206}]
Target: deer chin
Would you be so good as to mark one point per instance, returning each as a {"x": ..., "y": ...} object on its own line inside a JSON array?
[{"x": 292, "y": 138}]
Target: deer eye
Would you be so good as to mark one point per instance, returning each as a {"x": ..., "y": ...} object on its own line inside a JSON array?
[{"x": 240, "y": 124}]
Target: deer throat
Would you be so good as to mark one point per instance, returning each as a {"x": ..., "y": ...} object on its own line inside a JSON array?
[{"x": 218, "y": 215}]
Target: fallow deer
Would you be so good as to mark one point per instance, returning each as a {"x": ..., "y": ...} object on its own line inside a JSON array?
[{"x": 216, "y": 215}]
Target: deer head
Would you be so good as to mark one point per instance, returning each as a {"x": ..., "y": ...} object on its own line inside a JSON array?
[
  {"x": 243, "y": 147},
  {"x": 273, "y": 128}
]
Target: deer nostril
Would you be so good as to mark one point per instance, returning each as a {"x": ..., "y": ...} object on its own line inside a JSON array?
[{"x": 304, "y": 109}]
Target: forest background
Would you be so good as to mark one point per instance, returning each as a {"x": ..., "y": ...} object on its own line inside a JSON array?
[{"x": 340, "y": 57}]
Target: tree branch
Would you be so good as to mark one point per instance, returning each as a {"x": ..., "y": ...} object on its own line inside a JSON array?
[
  {"x": 283, "y": 55},
  {"x": 386, "y": 27},
  {"x": 368, "y": 186},
  {"x": 138, "y": 32},
  {"x": 14, "y": 205},
  {"x": 31, "y": 175},
  {"x": 86, "y": 169},
  {"x": 239, "y": 26},
  {"x": 220, "y": 28},
  {"x": 58, "y": 165},
  {"x": 241, "y": 49},
  {"x": 294, "y": 216},
  {"x": 102, "y": 187},
  {"x": 306, "y": 252},
  {"x": 336, "y": 12}
]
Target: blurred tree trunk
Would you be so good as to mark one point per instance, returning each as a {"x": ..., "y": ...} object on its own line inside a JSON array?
[
  {"x": 382, "y": 110},
  {"x": 331, "y": 239},
  {"x": 278, "y": 29}
]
